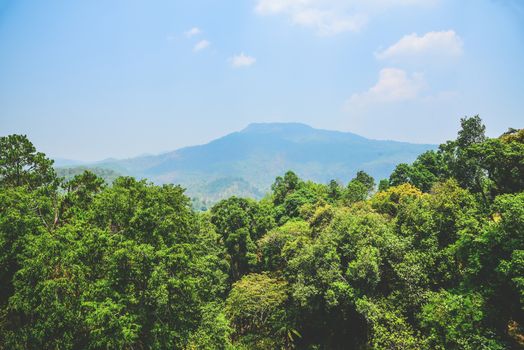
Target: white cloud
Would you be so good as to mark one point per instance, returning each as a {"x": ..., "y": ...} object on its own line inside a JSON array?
[
  {"x": 330, "y": 17},
  {"x": 433, "y": 44},
  {"x": 201, "y": 45},
  {"x": 328, "y": 23},
  {"x": 394, "y": 85},
  {"x": 277, "y": 6},
  {"x": 192, "y": 32},
  {"x": 242, "y": 60},
  {"x": 325, "y": 17}
]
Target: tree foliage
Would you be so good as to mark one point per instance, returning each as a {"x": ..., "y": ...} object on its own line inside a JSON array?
[{"x": 432, "y": 259}]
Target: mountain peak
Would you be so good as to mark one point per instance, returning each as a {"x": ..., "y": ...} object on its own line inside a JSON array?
[
  {"x": 262, "y": 151},
  {"x": 263, "y": 128},
  {"x": 299, "y": 132}
]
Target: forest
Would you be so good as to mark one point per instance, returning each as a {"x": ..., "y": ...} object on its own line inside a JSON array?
[{"x": 430, "y": 258}]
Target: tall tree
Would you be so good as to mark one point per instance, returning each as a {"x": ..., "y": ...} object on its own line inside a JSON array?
[{"x": 22, "y": 165}]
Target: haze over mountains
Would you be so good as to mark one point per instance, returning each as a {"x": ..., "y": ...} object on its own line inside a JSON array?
[{"x": 247, "y": 162}]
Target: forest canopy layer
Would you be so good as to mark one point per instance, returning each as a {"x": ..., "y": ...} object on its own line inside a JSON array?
[{"x": 430, "y": 258}]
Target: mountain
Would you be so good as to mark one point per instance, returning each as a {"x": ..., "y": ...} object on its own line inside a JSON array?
[
  {"x": 247, "y": 162},
  {"x": 63, "y": 162},
  {"x": 68, "y": 173}
]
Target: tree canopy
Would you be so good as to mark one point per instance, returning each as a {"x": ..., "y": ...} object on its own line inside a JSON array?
[{"x": 432, "y": 258}]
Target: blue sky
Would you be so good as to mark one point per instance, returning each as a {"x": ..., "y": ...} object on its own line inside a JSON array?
[{"x": 116, "y": 78}]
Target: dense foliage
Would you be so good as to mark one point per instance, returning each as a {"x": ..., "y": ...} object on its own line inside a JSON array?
[{"x": 431, "y": 258}]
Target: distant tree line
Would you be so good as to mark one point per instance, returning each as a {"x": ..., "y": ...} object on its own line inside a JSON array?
[{"x": 431, "y": 258}]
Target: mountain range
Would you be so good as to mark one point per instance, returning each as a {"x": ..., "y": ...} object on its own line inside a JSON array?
[{"x": 245, "y": 163}]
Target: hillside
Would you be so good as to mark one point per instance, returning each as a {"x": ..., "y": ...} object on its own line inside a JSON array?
[
  {"x": 69, "y": 173},
  {"x": 246, "y": 162}
]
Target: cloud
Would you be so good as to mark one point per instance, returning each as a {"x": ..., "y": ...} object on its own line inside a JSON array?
[
  {"x": 444, "y": 44},
  {"x": 192, "y": 32},
  {"x": 331, "y": 17},
  {"x": 328, "y": 23},
  {"x": 394, "y": 85},
  {"x": 242, "y": 60},
  {"x": 323, "y": 16},
  {"x": 201, "y": 45}
]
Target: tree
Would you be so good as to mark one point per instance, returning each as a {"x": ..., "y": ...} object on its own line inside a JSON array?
[
  {"x": 465, "y": 169},
  {"x": 22, "y": 165},
  {"x": 472, "y": 131},
  {"x": 503, "y": 161},
  {"x": 19, "y": 221},
  {"x": 334, "y": 190},
  {"x": 427, "y": 169},
  {"x": 389, "y": 329},
  {"x": 401, "y": 175},
  {"x": 241, "y": 222},
  {"x": 356, "y": 191},
  {"x": 80, "y": 192},
  {"x": 383, "y": 185},
  {"x": 256, "y": 307},
  {"x": 27, "y": 203},
  {"x": 272, "y": 244},
  {"x": 365, "y": 179},
  {"x": 494, "y": 258},
  {"x": 306, "y": 194},
  {"x": 454, "y": 321},
  {"x": 284, "y": 186},
  {"x": 388, "y": 201},
  {"x": 133, "y": 267},
  {"x": 359, "y": 188}
]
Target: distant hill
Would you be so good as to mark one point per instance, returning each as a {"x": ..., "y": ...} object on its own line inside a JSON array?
[
  {"x": 108, "y": 175},
  {"x": 247, "y": 162},
  {"x": 62, "y": 162}
]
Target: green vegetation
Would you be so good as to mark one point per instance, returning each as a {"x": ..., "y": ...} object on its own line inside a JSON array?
[
  {"x": 107, "y": 175},
  {"x": 432, "y": 259}
]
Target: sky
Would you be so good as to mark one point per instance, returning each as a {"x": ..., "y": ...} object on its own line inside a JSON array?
[{"x": 93, "y": 79}]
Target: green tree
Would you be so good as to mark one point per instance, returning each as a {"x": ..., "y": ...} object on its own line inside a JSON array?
[
  {"x": 359, "y": 188},
  {"x": 334, "y": 191},
  {"x": 135, "y": 269},
  {"x": 284, "y": 186},
  {"x": 454, "y": 321},
  {"x": 365, "y": 179},
  {"x": 401, "y": 175},
  {"x": 256, "y": 307},
  {"x": 22, "y": 165},
  {"x": 503, "y": 161},
  {"x": 465, "y": 169},
  {"x": 383, "y": 185},
  {"x": 241, "y": 222}
]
